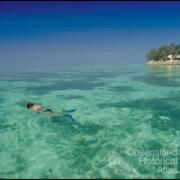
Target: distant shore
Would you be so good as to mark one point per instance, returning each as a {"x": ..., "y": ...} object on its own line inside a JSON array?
[{"x": 163, "y": 63}]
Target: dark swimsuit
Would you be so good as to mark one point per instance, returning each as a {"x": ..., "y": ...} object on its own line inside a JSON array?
[{"x": 48, "y": 110}]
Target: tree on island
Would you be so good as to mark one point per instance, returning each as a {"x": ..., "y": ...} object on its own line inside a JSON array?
[{"x": 162, "y": 53}]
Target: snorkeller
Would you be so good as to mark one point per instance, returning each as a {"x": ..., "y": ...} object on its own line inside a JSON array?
[{"x": 39, "y": 108}]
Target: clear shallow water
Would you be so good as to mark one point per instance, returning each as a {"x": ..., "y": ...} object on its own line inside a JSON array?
[{"x": 125, "y": 117}]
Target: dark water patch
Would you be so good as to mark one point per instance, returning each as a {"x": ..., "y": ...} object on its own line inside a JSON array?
[
  {"x": 178, "y": 173},
  {"x": 81, "y": 81},
  {"x": 29, "y": 76},
  {"x": 104, "y": 74},
  {"x": 158, "y": 73},
  {"x": 165, "y": 115},
  {"x": 92, "y": 128},
  {"x": 96, "y": 75},
  {"x": 1, "y": 100},
  {"x": 87, "y": 141},
  {"x": 22, "y": 80},
  {"x": 108, "y": 74},
  {"x": 21, "y": 165},
  {"x": 65, "y": 78},
  {"x": 122, "y": 89},
  {"x": 8, "y": 126},
  {"x": 157, "y": 80},
  {"x": 162, "y": 123},
  {"x": 71, "y": 123},
  {"x": 87, "y": 150},
  {"x": 152, "y": 149},
  {"x": 70, "y": 97},
  {"x": 33, "y": 74},
  {"x": 80, "y": 85},
  {"x": 87, "y": 145},
  {"x": 65, "y": 120},
  {"x": 150, "y": 145},
  {"x": 90, "y": 77}
]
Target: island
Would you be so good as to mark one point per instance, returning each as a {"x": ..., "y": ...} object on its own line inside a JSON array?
[{"x": 164, "y": 55}]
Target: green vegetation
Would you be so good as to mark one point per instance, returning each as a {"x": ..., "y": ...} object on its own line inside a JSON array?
[{"x": 162, "y": 53}]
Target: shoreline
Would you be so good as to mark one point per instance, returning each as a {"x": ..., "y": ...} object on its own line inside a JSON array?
[{"x": 163, "y": 63}]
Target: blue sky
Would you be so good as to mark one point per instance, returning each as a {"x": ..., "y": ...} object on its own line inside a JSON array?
[{"x": 88, "y": 33}]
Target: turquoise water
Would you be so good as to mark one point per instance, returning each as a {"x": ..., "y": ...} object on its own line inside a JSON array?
[{"x": 125, "y": 117}]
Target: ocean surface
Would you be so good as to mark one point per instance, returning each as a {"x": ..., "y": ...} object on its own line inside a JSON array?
[{"x": 125, "y": 124}]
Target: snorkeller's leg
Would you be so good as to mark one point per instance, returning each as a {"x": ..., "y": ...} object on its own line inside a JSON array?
[{"x": 69, "y": 111}]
